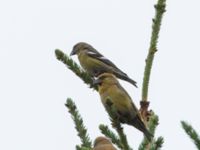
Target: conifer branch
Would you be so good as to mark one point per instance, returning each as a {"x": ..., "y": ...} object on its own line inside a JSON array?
[
  {"x": 108, "y": 133},
  {"x": 152, "y": 124},
  {"x": 82, "y": 131},
  {"x": 123, "y": 138},
  {"x": 191, "y": 133},
  {"x": 73, "y": 66},
  {"x": 160, "y": 9},
  {"x": 82, "y": 148},
  {"x": 158, "y": 144},
  {"x": 78, "y": 147}
]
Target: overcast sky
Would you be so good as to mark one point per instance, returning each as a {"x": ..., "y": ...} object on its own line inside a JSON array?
[{"x": 34, "y": 85}]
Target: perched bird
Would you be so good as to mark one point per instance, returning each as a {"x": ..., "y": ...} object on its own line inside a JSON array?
[
  {"x": 95, "y": 63},
  {"x": 114, "y": 95},
  {"x": 102, "y": 143}
]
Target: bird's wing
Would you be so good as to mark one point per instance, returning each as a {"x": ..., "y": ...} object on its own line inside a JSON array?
[
  {"x": 123, "y": 90},
  {"x": 134, "y": 108},
  {"x": 96, "y": 55}
]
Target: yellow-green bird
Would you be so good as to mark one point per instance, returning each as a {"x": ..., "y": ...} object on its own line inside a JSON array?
[
  {"x": 102, "y": 143},
  {"x": 95, "y": 63},
  {"x": 113, "y": 94}
]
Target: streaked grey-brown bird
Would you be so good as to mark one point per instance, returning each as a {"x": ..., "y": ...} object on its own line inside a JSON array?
[
  {"x": 114, "y": 95},
  {"x": 102, "y": 143},
  {"x": 95, "y": 63}
]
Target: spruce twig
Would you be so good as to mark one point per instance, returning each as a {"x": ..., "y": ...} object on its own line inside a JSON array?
[
  {"x": 82, "y": 131},
  {"x": 123, "y": 138},
  {"x": 78, "y": 147},
  {"x": 73, "y": 66},
  {"x": 108, "y": 133},
  {"x": 160, "y": 9},
  {"x": 152, "y": 124},
  {"x": 158, "y": 144},
  {"x": 82, "y": 148},
  {"x": 191, "y": 133}
]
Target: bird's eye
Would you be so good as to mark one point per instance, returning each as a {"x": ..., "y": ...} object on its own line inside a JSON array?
[{"x": 102, "y": 77}]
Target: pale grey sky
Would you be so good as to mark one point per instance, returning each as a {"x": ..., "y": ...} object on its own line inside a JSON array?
[{"x": 34, "y": 85}]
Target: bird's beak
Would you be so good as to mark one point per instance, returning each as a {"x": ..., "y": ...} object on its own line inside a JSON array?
[
  {"x": 96, "y": 82},
  {"x": 73, "y": 52}
]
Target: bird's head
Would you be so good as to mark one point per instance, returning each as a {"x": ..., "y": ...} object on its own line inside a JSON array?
[
  {"x": 101, "y": 140},
  {"x": 80, "y": 47},
  {"x": 105, "y": 79}
]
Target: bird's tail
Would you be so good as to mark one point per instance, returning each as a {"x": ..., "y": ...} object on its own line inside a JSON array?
[
  {"x": 148, "y": 135},
  {"x": 131, "y": 81},
  {"x": 139, "y": 124},
  {"x": 124, "y": 76}
]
